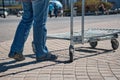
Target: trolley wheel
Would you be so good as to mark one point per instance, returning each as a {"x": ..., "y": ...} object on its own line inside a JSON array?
[
  {"x": 93, "y": 44},
  {"x": 115, "y": 44},
  {"x": 71, "y": 52}
]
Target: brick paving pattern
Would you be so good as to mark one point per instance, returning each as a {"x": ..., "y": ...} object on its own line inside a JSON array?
[{"x": 101, "y": 63}]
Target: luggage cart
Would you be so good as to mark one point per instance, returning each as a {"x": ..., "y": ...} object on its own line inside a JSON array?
[{"x": 91, "y": 36}]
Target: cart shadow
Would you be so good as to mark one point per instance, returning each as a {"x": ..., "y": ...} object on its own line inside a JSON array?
[
  {"x": 5, "y": 65},
  {"x": 93, "y": 52}
]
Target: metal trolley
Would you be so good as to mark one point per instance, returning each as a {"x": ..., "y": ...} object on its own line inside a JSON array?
[{"x": 91, "y": 36}]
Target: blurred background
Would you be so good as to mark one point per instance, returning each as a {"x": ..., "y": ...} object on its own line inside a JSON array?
[{"x": 13, "y": 7}]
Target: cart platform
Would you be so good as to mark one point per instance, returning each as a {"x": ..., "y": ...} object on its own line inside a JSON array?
[{"x": 90, "y": 35}]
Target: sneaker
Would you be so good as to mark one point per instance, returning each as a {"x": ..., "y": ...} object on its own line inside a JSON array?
[
  {"x": 49, "y": 56},
  {"x": 18, "y": 57}
]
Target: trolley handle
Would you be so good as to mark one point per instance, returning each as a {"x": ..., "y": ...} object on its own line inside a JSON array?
[
  {"x": 71, "y": 24},
  {"x": 82, "y": 21}
]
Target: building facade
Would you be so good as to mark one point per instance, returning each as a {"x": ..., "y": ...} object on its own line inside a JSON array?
[{"x": 9, "y": 2}]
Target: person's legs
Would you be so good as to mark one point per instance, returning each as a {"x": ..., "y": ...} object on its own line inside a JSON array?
[
  {"x": 56, "y": 12},
  {"x": 22, "y": 30},
  {"x": 50, "y": 14},
  {"x": 40, "y": 12}
]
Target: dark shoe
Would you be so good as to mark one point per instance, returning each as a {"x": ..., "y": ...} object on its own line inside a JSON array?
[
  {"x": 10, "y": 56},
  {"x": 18, "y": 57},
  {"x": 49, "y": 57},
  {"x": 33, "y": 47}
]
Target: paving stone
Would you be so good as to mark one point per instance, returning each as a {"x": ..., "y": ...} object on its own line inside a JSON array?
[
  {"x": 56, "y": 71},
  {"x": 89, "y": 64},
  {"x": 17, "y": 79},
  {"x": 5, "y": 78},
  {"x": 56, "y": 79},
  {"x": 110, "y": 78},
  {"x": 30, "y": 78}
]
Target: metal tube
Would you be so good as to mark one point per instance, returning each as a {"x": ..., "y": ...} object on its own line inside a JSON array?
[
  {"x": 82, "y": 21},
  {"x": 3, "y": 5},
  {"x": 71, "y": 23}
]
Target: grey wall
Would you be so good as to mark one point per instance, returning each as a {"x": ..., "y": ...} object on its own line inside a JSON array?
[{"x": 117, "y": 3}]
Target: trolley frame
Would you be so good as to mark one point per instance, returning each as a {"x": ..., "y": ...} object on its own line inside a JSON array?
[{"x": 91, "y": 36}]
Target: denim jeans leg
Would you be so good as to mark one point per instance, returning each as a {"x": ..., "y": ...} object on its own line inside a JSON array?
[
  {"x": 23, "y": 29},
  {"x": 40, "y": 11}
]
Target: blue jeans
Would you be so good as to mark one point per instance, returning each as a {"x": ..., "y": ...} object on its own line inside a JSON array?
[{"x": 35, "y": 12}]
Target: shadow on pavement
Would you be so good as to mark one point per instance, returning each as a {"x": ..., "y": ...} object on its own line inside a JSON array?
[
  {"x": 94, "y": 52},
  {"x": 5, "y": 65}
]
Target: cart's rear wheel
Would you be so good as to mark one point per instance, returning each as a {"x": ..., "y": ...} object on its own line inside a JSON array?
[
  {"x": 93, "y": 44},
  {"x": 71, "y": 52},
  {"x": 115, "y": 44}
]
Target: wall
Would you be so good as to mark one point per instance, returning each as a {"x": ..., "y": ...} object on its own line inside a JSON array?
[{"x": 116, "y": 2}]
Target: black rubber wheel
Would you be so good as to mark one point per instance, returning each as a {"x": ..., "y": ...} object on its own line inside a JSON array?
[
  {"x": 71, "y": 52},
  {"x": 93, "y": 44},
  {"x": 115, "y": 44}
]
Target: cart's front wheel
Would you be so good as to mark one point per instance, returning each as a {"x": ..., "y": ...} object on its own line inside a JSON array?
[
  {"x": 115, "y": 44},
  {"x": 93, "y": 44},
  {"x": 71, "y": 52}
]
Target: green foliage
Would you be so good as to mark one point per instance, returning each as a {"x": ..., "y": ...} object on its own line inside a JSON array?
[
  {"x": 107, "y": 5},
  {"x": 91, "y": 5},
  {"x": 66, "y": 12}
]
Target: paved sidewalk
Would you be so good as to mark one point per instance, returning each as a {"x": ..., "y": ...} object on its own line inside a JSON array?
[
  {"x": 89, "y": 64},
  {"x": 101, "y": 63}
]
